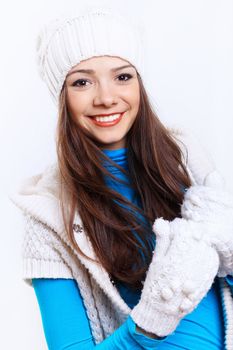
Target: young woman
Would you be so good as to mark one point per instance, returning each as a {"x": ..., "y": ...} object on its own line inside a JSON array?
[{"x": 128, "y": 235}]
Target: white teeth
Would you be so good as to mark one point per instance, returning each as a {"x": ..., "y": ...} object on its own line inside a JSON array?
[{"x": 109, "y": 118}]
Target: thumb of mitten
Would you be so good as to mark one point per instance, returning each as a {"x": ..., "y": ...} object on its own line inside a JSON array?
[
  {"x": 163, "y": 234},
  {"x": 214, "y": 180}
]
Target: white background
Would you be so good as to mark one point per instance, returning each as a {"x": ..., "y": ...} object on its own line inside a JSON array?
[{"x": 189, "y": 78}]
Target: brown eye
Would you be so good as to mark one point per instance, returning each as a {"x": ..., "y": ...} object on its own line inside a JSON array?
[
  {"x": 125, "y": 77},
  {"x": 80, "y": 83}
]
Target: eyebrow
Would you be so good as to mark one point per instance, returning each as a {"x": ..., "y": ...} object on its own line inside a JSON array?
[{"x": 91, "y": 71}]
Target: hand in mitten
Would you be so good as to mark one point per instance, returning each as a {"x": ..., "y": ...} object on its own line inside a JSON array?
[
  {"x": 181, "y": 272},
  {"x": 213, "y": 206}
]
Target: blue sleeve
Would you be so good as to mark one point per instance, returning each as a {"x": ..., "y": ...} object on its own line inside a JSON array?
[{"x": 66, "y": 325}]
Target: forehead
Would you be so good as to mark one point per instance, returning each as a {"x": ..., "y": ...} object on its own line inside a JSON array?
[{"x": 101, "y": 62}]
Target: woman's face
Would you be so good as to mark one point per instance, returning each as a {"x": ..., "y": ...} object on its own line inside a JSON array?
[{"x": 103, "y": 97}]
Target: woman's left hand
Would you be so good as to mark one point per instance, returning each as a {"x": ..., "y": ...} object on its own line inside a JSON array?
[{"x": 213, "y": 206}]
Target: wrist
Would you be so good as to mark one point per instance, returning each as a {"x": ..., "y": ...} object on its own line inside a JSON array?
[
  {"x": 153, "y": 321},
  {"x": 148, "y": 334}
]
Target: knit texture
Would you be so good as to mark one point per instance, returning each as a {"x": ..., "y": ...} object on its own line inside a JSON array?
[
  {"x": 227, "y": 301},
  {"x": 175, "y": 283},
  {"x": 38, "y": 197},
  {"x": 64, "y": 42},
  {"x": 212, "y": 206}
]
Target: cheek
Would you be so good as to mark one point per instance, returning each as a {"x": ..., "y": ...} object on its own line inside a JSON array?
[
  {"x": 77, "y": 103},
  {"x": 133, "y": 96},
  {"x": 137, "y": 100}
]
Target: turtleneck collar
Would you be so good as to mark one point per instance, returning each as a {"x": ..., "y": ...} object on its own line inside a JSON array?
[{"x": 119, "y": 156}]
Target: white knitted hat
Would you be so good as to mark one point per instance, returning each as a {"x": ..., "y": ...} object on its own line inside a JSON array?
[{"x": 64, "y": 42}]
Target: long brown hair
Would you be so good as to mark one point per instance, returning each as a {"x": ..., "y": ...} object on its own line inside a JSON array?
[{"x": 111, "y": 222}]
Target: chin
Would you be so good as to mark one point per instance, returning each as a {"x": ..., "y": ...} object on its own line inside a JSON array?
[{"x": 112, "y": 144}]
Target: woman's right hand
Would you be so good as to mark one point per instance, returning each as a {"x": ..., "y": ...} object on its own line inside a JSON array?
[{"x": 182, "y": 271}]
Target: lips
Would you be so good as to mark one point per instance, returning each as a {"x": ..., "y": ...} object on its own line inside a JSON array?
[
  {"x": 105, "y": 115},
  {"x": 106, "y": 120}
]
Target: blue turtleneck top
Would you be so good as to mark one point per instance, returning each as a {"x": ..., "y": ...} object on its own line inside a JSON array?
[{"x": 64, "y": 318}]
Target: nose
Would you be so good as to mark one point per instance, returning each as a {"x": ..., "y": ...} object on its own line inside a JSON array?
[{"x": 105, "y": 95}]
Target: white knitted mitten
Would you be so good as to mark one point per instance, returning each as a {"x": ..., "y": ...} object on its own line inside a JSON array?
[
  {"x": 211, "y": 205},
  {"x": 182, "y": 271}
]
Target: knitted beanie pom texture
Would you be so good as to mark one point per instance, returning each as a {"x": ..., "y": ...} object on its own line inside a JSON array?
[{"x": 64, "y": 42}]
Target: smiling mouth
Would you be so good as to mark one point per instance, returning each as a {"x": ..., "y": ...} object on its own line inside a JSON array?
[{"x": 108, "y": 120}]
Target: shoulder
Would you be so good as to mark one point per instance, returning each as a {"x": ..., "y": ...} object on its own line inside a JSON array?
[
  {"x": 196, "y": 158},
  {"x": 45, "y": 182},
  {"x": 39, "y": 197}
]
